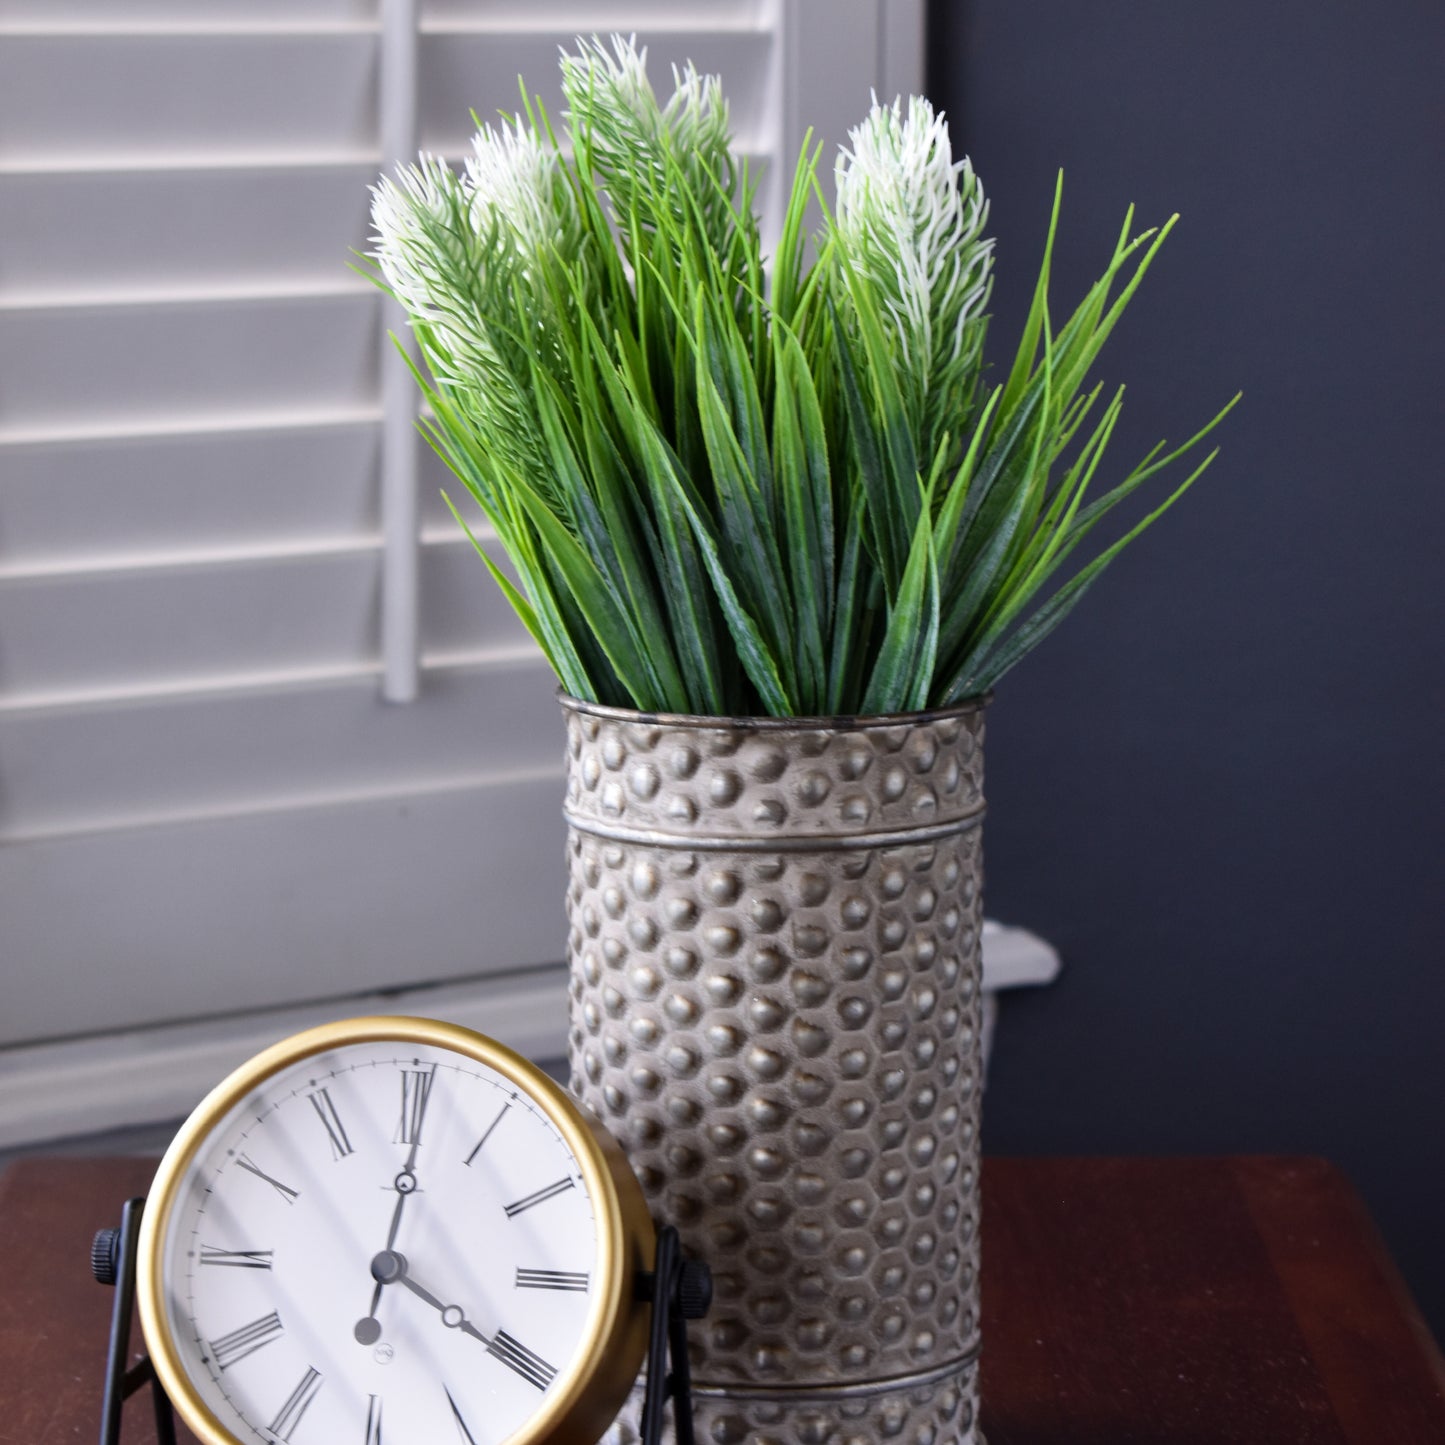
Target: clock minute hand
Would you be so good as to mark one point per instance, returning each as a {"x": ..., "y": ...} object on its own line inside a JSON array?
[
  {"x": 423, "y": 1293},
  {"x": 391, "y": 1268},
  {"x": 454, "y": 1317}
]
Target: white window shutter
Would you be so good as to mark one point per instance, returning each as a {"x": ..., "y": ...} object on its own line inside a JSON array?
[{"x": 205, "y": 806}]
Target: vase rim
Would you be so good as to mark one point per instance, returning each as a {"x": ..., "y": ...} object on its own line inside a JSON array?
[{"x": 841, "y": 722}]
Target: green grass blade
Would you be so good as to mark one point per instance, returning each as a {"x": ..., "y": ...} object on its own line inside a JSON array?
[
  {"x": 946, "y": 525},
  {"x": 998, "y": 462},
  {"x": 1092, "y": 514},
  {"x": 903, "y": 674},
  {"x": 556, "y": 645},
  {"x": 607, "y": 619},
  {"x": 753, "y": 649},
  {"x": 747, "y": 527},
  {"x": 1029, "y": 342},
  {"x": 788, "y": 261},
  {"x": 900, "y": 453},
  {"x": 687, "y": 590},
  {"x": 1047, "y": 547},
  {"x": 984, "y": 673},
  {"x": 1000, "y": 540},
  {"x": 847, "y": 651},
  {"x": 879, "y": 522},
  {"x": 805, "y": 491}
]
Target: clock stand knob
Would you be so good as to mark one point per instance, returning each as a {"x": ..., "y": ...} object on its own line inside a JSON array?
[
  {"x": 693, "y": 1295},
  {"x": 105, "y": 1256}
]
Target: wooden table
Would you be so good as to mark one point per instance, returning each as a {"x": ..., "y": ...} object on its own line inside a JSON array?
[{"x": 1126, "y": 1302}]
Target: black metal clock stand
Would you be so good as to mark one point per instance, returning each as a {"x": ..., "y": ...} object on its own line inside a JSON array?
[
  {"x": 679, "y": 1290},
  {"x": 112, "y": 1260}
]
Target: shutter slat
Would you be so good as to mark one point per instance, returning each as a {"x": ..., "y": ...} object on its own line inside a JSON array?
[
  {"x": 72, "y": 770},
  {"x": 72, "y": 505},
  {"x": 68, "y": 632},
  {"x": 66, "y": 14},
  {"x": 69, "y": 96},
  {"x": 109, "y": 429},
  {"x": 588, "y": 17},
  {"x": 182, "y": 227},
  {"x": 261, "y": 911},
  {"x": 189, "y": 158},
  {"x": 115, "y": 366},
  {"x": 88, "y": 503}
]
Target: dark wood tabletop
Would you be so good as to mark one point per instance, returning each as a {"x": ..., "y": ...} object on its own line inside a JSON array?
[{"x": 1125, "y": 1302}]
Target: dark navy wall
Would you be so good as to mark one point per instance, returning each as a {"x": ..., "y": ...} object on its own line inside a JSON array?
[{"x": 1220, "y": 788}]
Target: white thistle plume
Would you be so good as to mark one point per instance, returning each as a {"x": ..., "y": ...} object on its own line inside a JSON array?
[
  {"x": 418, "y": 245},
  {"x": 910, "y": 221},
  {"x": 614, "y": 82},
  {"x": 697, "y": 114},
  {"x": 516, "y": 184},
  {"x": 627, "y": 134},
  {"x": 447, "y": 271},
  {"x": 609, "y": 92}
]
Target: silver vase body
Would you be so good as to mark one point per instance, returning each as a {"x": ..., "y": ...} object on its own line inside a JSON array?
[{"x": 774, "y": 948}]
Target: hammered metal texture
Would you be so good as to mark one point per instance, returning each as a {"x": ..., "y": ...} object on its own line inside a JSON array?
[
  {"x": 929, "y": 1414},
  {"x": 769, "y": 777},
  {"x": 774, "y": 947}
]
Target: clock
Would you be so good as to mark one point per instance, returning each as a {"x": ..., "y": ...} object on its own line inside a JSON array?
[{"x": 393, "y": 1230}]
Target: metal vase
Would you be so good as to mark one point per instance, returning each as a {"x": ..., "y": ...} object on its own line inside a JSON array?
[{"x": 774, "y": 949}]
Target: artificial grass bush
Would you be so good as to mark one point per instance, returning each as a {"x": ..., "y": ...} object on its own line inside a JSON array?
[{"x": 729, "y": 489}]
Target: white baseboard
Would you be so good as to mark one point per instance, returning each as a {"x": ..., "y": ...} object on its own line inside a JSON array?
[{"x": 91, "y": 1085}]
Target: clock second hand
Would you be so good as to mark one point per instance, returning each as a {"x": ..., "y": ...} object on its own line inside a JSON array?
[{"x": 368, "y": 1327}]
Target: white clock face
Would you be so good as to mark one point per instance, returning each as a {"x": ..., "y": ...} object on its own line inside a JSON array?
[{"x": 387, "y": 1243}]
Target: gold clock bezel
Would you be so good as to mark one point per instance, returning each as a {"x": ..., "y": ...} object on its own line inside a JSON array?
[{"x": 587, "y": 1395}]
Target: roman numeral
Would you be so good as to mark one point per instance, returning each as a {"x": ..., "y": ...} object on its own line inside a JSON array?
[
  {"x": 551, "y": 1279},
  {"x": 560, "y": 1187},
  {"x": 457, "y": 1416},
  {"x": 289, "y": 1416},
  {"x": 373, "y": 1420},
  {"x": 415, "y": 1091},
  {"x": 246, "y": 1340},
  {"x": 236, "y": 1258},
  {"x": 284, "y": 1190},
  {"x": 531, "y": 1367},
  {"x": 486, "y": 1136},
  {"x": 335, "y": 1129}
]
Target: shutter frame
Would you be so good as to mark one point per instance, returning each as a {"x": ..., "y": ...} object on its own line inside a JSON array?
[{"x": 187, "y": 789}]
